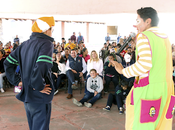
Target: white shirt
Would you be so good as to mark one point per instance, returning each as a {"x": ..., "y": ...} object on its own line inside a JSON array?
[
  {"x": 63, "y": 53},
  {"x": 62, "y": 67},
  {"x": 97, "y": 65},
  {"x": 83, "y": 64}
]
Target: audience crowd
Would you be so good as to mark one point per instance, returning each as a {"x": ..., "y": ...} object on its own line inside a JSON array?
[{"x": 72, "y": 64}]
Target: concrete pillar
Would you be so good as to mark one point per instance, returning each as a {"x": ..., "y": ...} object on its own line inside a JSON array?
[
  {"x": 87, "y": 31},
  {"x": 62, "y": 29}
]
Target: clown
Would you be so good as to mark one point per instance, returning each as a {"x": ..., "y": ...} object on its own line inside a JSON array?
[{"x": 151, "y": 100}]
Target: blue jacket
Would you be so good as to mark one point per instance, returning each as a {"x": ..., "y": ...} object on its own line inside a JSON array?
[
  {"x": 121, "y": 92},
  {"x": 34, "y": 58},
  {"x": 76, "y": 65},
  {"x": 80, "y": 38},
  {"x": 16, "y": 40},
  {"x": 107, "y": 38}
]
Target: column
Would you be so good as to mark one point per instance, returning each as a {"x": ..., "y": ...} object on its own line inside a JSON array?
[
  {"x": 62, "y": 29},
  {"x": 87, "y": 32}
]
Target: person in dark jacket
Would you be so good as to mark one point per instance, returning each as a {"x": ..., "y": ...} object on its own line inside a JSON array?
[
  {"x": 34, "y": 58},
  {"x": 2, "y": 72},
  {"x": 16, "y": 39},
  {"x": 110, "y": 73},
  {"x": 73, "y": 37},
  {"x": 119, "y": 97},
  {"x": 76, "y": 68}
]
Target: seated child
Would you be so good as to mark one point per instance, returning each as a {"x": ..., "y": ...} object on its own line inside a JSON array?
[
  {"x": 121, "y": 92},
  {"x": 94, "y": 88}
]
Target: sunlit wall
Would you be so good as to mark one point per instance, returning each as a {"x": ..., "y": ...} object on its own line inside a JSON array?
[
  {"x": 11, "y": 28},
  {"x": 97, "y": 32},
  {"x": 71, "y": 27}
]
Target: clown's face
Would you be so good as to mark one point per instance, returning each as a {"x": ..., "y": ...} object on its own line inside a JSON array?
[{"x": 142, "y": 25}]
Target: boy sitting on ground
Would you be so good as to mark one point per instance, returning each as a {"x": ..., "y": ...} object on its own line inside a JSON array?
[
  {"x": 94, "y": 88},
  {"x": 119, "y": 97}
]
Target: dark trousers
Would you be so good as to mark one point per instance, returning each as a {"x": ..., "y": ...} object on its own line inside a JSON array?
[
  {"x": 86, "y": 82},
  {"x": 38, "y": 115},
  {"x": 116, "y": 99},
  {"x": 120, "y": 99},
  {"x": 88, "y": 96},
  {"x": 108, "y": 79},
  {"x": 57, "y": 81},
  {"x": 111, "y": 100},
  {"x": 71, "y": 79}
]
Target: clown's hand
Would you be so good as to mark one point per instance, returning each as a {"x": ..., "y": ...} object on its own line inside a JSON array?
[{"x": 118, "y": 66}]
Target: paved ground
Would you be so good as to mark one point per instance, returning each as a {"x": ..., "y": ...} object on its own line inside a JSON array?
[{"x": 65, "y": 115}]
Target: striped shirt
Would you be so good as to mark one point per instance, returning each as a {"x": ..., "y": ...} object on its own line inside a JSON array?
[{"x": 144, "y": 61}]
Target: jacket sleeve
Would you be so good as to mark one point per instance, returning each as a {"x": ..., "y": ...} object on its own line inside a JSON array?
[
  {"x": 42, "y": 67},
  {"x": 100, "y": 84},
  {"x": 106, "y": 68},
  {"x": 118, "y": 90},
  {"x": 10, "y": 65}
]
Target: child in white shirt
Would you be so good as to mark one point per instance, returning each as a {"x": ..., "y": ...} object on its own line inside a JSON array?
[{"x": 94, "y": 88}]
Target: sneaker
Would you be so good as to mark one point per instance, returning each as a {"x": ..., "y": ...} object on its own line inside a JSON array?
[
  {"x": 55, "y": 92},
  {"x": 77, "y": 102},
  {"x": 121, "y": 111},
  {"x": 88, "y": 104},
  {"x": 74, "y": 86},
  {"x": 2, "y": 90},
  {"x": 107, "y": 108}
]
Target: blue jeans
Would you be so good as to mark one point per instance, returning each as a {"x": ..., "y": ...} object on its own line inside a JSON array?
[
  {"x": 1, "y": 79},
  {"x": 88, "y": 96},
  {"x": 38, "y": 115},
  {"x": 71, "y": 79},
  {"x": 57, "y": 83}
]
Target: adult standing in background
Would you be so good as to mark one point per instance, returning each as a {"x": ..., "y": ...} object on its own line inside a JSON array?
[
  {"x": 80, "y": 38},
  {"x": 124, "y": 39},
  {"x": 118, "y": 38},
  {"x": 34, "y": 58},
  {"x": 16, "y": 39},
  {"x": 151, "y": 101},
  {"x": 107, "y": 38},
  {"x": 73, "y": 37}
]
